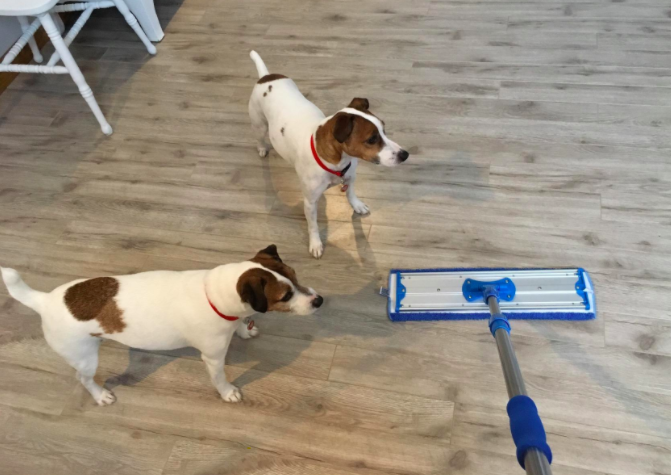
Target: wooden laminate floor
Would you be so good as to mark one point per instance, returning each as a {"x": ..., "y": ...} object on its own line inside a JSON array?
[{"x": 539, "y": 133}]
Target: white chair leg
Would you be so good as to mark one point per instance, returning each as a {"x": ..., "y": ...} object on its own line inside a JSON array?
[
  {"x": 145, "y": 12},
  {"x": 25, "y": 24},
  {"x": 76, "y": 74},
  {"x": 132, "y": 22},
  {"x": 58, "y": 21}
]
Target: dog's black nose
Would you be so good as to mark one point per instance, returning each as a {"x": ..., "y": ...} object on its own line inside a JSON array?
[
  {"x": 318, "y": 301},
  {"x": 403, "y": 155}
]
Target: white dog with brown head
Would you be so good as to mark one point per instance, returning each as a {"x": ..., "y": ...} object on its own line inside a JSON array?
[
  {"x": 164, "y": 310},
  {"x": 324, "y": 150}
]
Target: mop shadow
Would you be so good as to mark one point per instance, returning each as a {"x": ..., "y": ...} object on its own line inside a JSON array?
[{"x": 577, "y": 356}]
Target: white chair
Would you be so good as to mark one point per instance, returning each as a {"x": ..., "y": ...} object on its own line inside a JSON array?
[{"x": 44, "y": 11}]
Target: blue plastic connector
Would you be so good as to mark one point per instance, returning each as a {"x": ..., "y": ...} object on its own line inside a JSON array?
[
  {"x": 497, "y": 322},
  {"x": 474, "y": 290}
]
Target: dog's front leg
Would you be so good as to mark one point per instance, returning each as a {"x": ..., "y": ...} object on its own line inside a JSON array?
[
  {"x": 215, "y": 366},
  {"x": 357, "y": 205},
  {"x": 214, "y": 362},
  {"x": 311, "y": 194},
  {"x": 316, "y": 247}
]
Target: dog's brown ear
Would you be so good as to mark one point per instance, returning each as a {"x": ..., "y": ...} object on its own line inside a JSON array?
[
  {"x": 360, "y": 104},
  {"x": 252, "y": 288},
  {"x": 270, "y": 251},
  {"x": 344, "y": 124}
]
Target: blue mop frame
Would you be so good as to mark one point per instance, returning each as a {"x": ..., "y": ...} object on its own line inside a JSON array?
[{"x": 395, "y": 314}]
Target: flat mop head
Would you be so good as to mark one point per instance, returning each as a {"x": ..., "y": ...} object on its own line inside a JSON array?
[{"x": 456, "y": 294}]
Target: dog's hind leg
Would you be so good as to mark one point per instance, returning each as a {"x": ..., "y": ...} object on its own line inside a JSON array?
[
  {"x": 259, "y": 127},
  {"x": 82, "y": 355}
]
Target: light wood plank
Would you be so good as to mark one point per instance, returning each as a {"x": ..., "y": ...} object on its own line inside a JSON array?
[
  {"x": 639, "y": 334},
  {"x": 548, "y": 10},
  {"x": 168, "y": 412},
  {"x": 657, "y": 96},
  {"x": 659, "y": 42},
  {"x": 623, "y": 26},
  {"x": 565, "y": 74},
  {"x": 639, "y": 208},
  {"x": 538, "y": 137},
  {"x": 33, "y": 444},
  {"x": 37, "y": 391},
  {"x": 189, "y": 457}
]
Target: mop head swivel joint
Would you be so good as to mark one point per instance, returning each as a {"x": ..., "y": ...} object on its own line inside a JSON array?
[
  {"x": 461, "y": 294},
  {"x": 502, "y": 289}
]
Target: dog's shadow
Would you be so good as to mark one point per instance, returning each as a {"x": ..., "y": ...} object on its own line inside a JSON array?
[
  {"x": 141, "y": 364},
  {"x": 292, "y": 345}
]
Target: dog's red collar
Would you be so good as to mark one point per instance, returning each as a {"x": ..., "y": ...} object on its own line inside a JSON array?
[
  {"x": 225, "y": 317},
  {"x": 340, "y": 173}
]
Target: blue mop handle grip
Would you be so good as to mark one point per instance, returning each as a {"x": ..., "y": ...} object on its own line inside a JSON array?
[
  {"x": 525, "y": 423},
  {"x": 527, "y": 428}
]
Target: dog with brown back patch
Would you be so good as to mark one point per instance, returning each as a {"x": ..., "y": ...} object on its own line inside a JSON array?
[
  {"x": 324, "y": 150},
  {"x": 164, "y": 310}
]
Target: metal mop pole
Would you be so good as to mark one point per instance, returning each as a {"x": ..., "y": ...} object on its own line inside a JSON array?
[{"x": 526, "y": 425}]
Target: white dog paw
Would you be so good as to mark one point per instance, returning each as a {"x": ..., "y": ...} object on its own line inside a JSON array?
[
  {"x": 263, "y": 152},
  {"x": 316, "y": 249},
  {"x": 248, "y": 331},
  {"x": 232, "y": 394},
  {"x": 360, "y": 207},
  {"x": 106, "y": 398}
]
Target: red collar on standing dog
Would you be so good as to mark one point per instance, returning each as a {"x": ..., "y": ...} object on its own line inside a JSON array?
[
  {"x": 225, "y": 317},
  {"x": 341, "y": 174}
]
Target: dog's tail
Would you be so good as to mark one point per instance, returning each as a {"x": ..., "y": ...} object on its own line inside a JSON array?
[
  {"x": 260, "y": 65},
  {"x": 20, "y": 290}
]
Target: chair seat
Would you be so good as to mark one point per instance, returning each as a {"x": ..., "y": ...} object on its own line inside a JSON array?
[{"x": 25, "y": 7}]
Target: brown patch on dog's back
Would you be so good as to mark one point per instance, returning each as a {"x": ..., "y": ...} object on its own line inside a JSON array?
[
  {"x": 93, "y": 299},
  {"x": 270, "y": 77}
]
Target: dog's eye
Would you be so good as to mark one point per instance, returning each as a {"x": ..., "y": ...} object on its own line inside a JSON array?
[
  {"x": 372, "y": 140},
  {"x": 287, "y": 296}
]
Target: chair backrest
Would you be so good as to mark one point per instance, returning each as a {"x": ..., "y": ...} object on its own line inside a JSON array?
[{"x": 25, "y": 7}]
